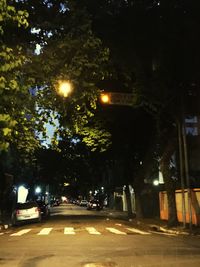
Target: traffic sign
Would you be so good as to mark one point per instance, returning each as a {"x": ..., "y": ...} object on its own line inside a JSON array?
[{"x": 121, "y": 99}]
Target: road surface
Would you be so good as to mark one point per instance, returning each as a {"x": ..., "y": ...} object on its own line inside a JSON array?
[{"x": 75, "y": 237}]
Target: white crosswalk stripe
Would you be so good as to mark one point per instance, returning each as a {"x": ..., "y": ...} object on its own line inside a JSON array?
[
  {"x": 137, "y": 231},
  {"x": 115, "y": 231},
  {"x": 22, "y": 232},
  {"x": 45, "y": 231},
  {"x": 69, "y": 231},
  {"x": 92, "y": 231}
]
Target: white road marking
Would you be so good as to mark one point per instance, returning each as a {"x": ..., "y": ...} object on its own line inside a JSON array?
[
  {"x": 92, "y": 231},
  {"x": 118, "y": 224},
  {"x": 115, "y": 231},
  {"x": 22, "y": 232},
  {"x": 138, "y": 231},
  {"x": 163, "y": 233},
  {"x": 69, "y": 231},
  {"x": 45, "y": 231}
]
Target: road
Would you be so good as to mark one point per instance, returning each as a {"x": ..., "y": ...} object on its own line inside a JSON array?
[{"x": 75, "y": 237}]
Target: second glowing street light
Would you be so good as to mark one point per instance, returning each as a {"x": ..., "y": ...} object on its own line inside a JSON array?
[{"x": 64, "y": 88}]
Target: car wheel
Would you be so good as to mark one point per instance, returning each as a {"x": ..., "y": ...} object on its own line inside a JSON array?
[
  {"x": 14, "y": 220},
  {"x": 48, "y": 213},
  {"x": 39, "y": 219}
]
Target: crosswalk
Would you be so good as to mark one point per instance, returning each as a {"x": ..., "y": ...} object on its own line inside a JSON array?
[{"x": 74, "y": 231}]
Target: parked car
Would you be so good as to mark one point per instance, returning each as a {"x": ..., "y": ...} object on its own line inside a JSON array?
[
  {"x": 83, "y": 203},
  {"x": 54, "y": 202},
  {"x": 78, "y": 202},
  {"x": 94, "y": 205},
  {"x": 44, "y": 208},
  {"x": 24, "y": 212}
]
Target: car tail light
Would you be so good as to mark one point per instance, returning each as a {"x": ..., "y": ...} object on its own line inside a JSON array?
[
  {"x": 37, "y": 209},
  {"x": 17, "y": 212}
]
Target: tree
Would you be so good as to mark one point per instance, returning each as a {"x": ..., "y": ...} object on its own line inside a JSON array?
[
  {"x": 154, "y": 44},
  {"x": 69, "y": 51},
  {"x": 17, "y": 122},
  {"x": 17, "y": 114}
]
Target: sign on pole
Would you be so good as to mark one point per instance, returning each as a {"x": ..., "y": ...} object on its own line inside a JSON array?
[{"x": 121, "y": 99}]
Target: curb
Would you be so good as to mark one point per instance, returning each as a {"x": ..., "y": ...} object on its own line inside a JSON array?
[{"x": 161, "y": 229}]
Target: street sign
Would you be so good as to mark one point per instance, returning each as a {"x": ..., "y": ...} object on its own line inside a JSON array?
[{"x": 121, "y": 99}]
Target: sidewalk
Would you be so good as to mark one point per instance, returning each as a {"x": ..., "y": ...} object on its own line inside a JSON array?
[{"x": 154, "y": 224}]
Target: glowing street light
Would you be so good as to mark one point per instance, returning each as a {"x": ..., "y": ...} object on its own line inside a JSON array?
[
  {"x": 105, "y": 98},
  {"x": 38, "y": 190},
  {"x": 64, "y": 88},
  {"x": 156, "y": 182}
]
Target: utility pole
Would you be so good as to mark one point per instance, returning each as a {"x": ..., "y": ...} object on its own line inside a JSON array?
[
  {"x": 186, "y": 166},
  {"x": 180, "y": 141},
  {"x": 187, "y": 176}
]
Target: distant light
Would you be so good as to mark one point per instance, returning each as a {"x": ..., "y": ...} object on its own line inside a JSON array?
[
  {"x": 156, "y": 182},
  {"x": 66, "y": 184},
  {"x": 102, "y": 188},
  {"x": 38, "y": 190},
  {"x": 63, "y": 198}
]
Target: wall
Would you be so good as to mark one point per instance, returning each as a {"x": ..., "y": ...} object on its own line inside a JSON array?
[{"x": 195, "y": 205}]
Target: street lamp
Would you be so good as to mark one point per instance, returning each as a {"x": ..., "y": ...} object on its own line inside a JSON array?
[
  {"x": 105, "y": 98},
  {"x": 156, "y": 182},
  {"x": 38, "y": 190},
  {"x": 64, "y": 88}
]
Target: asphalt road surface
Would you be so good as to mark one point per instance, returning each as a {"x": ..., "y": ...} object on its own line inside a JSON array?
[{"x": 75, "y": 237}]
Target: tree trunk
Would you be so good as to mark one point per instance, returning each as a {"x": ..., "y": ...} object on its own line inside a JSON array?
[
  {"x": 144, "y": 171},
  {"x": 7, "y": 199},
  {"x": 129, "y": 205},
  {"x": 169, "y": 182},
  {"x": 138, "y": 204}
]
